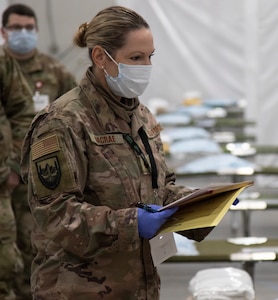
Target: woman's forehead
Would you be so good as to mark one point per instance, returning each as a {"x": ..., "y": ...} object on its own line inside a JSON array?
[{"x": 139, "y": 40}]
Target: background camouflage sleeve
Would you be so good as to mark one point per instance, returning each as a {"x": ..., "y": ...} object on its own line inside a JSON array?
[
  {"x": 5, "y": 145},
  {"x": 12, "y": 122},
  {"x": 16, "y": 104}
]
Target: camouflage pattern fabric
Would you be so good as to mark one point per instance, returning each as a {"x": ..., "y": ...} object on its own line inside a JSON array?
[
  {"x": 84, "y": 181},
  {"x": 17, "y": 105},
  {"x": 11, "y": 262},
  {"x": 46, "y": 76},
  {"x": 24, "y": 224},
  {"x": 16, "y": 112}
]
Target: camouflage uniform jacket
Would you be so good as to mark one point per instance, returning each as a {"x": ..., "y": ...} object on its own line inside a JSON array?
[
  {"x": 16, "y": 113},
  {"x": 84, "y": 181},
  {"x": 47, "y": 76}
]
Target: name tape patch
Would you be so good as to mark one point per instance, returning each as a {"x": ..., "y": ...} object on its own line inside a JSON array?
[
  {"x": 107, "y": 139},
  {"x": 154, "y": 131}
]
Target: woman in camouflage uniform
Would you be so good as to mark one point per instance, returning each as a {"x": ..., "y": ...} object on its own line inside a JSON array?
[{"x": 89, "y": 158}]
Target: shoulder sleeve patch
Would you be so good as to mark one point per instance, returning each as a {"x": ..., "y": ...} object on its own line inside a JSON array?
[
  {"x": 53, "y": 169},
  {"x": 153, "y": 132},
  {"x": 46, "y": 146},
  {"x": 49, "y": 172}
]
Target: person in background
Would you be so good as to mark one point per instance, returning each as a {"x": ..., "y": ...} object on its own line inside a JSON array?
[
  {"x": 48, "y": 79},
  {"x": 89, "y": 158},
  {"x": 16, "y": 113}
]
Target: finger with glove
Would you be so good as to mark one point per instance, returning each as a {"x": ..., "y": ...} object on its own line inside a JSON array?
[{"x": 150, "y": 219}]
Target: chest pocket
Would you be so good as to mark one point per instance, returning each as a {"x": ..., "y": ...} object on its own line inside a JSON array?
[{"x": 113, "y": 171}]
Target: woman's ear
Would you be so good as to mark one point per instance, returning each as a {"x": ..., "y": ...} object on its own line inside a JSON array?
[{"x": 98, "y": 57}]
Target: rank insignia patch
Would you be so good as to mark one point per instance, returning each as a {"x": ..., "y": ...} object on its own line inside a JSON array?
[{"x": 49, "y": 172}]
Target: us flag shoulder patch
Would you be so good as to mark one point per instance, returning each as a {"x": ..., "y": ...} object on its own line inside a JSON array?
[{"x": 45, "y": 146}]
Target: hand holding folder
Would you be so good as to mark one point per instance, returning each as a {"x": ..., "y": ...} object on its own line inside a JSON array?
[{"x": 203, "y": 207}]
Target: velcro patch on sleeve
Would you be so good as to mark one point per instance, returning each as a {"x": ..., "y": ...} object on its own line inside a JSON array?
[
  {"x": 45, "y": 146},
  {"x": 49, "y": 172},
  {"x": 153, "y": 132},
  {"x": 53, "y": 167}
]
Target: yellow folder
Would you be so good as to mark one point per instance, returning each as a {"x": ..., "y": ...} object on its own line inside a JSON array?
[{"x": 203, "y": 207}]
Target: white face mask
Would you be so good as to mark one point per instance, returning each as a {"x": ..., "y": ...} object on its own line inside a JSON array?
[
  {"x": 22, "y": 41},
  {"x": 131, "y": 81}
]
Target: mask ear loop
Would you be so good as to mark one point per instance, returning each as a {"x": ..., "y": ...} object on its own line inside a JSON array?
[
  {"x": 106, "y": 73},
  {"x": 110, "y": 57}
]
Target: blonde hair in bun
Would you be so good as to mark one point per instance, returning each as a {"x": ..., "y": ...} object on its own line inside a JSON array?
[{"x": 109, "y": 28}]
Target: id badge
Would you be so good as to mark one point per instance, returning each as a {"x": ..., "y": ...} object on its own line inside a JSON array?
[{"x": 40, "y": 101}]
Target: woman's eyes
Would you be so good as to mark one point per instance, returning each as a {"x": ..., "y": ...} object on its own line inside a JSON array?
[
  {"x": 141, "y": 57},
  {"x": 135, "y": 58}
]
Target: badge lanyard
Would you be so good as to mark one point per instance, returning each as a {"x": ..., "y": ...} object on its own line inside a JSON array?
[{"x": 152, "y": 168}]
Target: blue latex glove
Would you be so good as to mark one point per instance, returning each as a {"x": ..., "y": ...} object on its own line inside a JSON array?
[{"x": 150, "y": 222}]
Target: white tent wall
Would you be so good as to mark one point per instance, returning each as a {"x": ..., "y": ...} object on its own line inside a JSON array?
[
  {"x": 267, "y": 106},
  {"x": 199, "y": 46},
  {"x": 3, "y": 4}
]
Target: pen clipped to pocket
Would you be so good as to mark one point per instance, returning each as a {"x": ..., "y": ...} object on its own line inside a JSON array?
[{"x": 146, "y": 207}]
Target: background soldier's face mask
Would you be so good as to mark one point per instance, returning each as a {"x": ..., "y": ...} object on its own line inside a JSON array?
[
  {"x": 22, "y": 41},
  {"x": 131, "y": 81}
]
